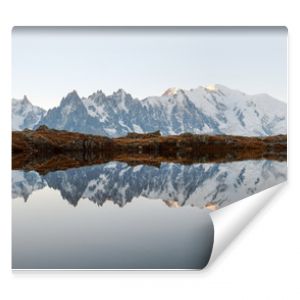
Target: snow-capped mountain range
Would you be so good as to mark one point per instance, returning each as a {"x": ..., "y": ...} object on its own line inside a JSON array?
[
  {"x": 25, "y": 115},
  {"x": 202, "y": 185},
  {"x": 214, "y": 109}
]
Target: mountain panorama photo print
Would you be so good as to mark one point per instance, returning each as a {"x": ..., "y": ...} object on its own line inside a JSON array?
[{"x": 125, "y": 140}]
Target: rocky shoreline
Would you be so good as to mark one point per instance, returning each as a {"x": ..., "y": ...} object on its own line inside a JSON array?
[{"x": 47, "y": 149}]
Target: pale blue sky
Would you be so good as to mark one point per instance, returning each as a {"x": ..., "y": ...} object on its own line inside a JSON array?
[{"x": 47, "y": 63}]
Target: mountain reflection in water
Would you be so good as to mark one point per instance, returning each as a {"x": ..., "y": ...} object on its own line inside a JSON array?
[
  {"x": 148, "y": 217},
  {"x": 208, "y": 185}
]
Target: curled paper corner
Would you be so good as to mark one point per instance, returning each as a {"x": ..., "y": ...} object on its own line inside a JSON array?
[{"x": 231, "y": 220}]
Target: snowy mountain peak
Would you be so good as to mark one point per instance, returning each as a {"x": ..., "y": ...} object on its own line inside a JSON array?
[
  {"x": 26, "y": 101},
  {"x": 99, "y": 93},
  {"x": 221, "y": 89},
  {"x": 170, "y": 91},
  {"x": 73, "y": 94},
  {"x": 95, "y": 97},
  {"x": 72, "y": 98},
  {"x": 24, "y": 114},
  {"x": 211, "y": 87},
  {"x": 120, "y": 92}
]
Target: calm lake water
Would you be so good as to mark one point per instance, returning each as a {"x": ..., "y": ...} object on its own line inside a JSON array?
[{"x": 119, "y": 216}]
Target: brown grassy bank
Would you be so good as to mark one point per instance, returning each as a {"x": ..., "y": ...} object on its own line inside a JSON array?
[{"x": 44, "y": 149}]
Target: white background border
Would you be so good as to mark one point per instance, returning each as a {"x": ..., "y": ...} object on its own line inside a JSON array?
[{"x": 263, "y": 262}]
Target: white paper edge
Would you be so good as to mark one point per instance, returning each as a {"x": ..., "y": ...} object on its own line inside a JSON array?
[{"x": 232, "y": 219}]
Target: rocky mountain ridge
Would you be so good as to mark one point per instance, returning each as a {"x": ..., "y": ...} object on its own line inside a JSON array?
[{"x": 214, "y": 109}]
